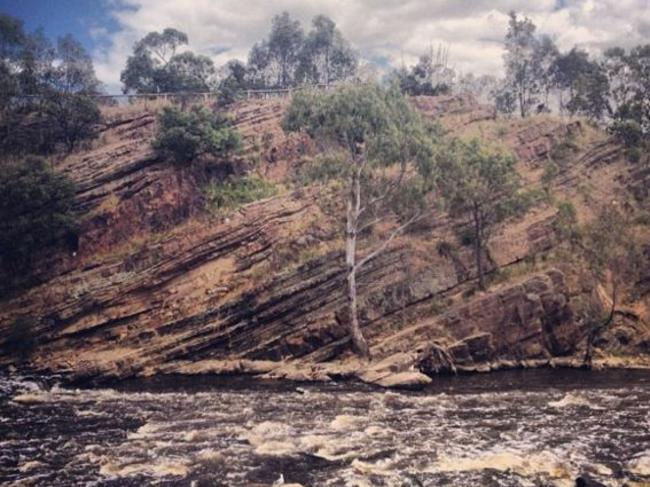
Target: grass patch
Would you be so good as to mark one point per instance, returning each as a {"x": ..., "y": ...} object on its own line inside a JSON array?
[{"x": 233, "y": 193}]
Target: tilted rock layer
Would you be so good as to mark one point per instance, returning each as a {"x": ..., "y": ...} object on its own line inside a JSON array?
[{"x": 159, "y": 286}]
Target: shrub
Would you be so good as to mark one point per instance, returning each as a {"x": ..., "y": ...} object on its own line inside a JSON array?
[
  {"x": 562, "y": 151},
  {"x": 185, "y": 136},
  {"x": 43, "y": 126},
  {"x": 628, "y": 132},
  {"x": 232, "y": 193},
  {"x": 35, "y": 212},
  {"x": 551, "y": 171},
  {"x": 71, "y": 119},
  {"x": 466, "y": 237},
  {"x": 565, "y": 224}
]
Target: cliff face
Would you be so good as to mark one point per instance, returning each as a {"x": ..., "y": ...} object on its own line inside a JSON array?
[{"x": 158, "y": 286}]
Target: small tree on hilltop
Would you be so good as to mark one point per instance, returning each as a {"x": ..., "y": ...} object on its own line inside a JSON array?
[
  {"x": 156, "y": 67},
  {"x": 36, "y": 213},
  {"x": 481, "y": 184},
  {"x": 186, "y": 136},
  {"x": 521, "y": 62},
  {"x": 388, "y": 166}
]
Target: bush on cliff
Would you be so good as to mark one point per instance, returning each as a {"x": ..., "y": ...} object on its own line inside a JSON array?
[
  {"x": 56, "y": 121},
  {"x": 35, "y": 214},
  {"x": 183, "y": 137}
]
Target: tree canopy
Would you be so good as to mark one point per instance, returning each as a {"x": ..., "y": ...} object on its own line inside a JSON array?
[
  {"x": 480, "y": 183},
  {"x": 431, "y": 75},
  {"x": 36, "y": 212},
  {"x": 45, "y": 99},
  {"x": 156, "y": 67},
  {"x": 288, "y": 57},
  {"x": 325, "y": 56},
  {"x": 185, "y": 136}
]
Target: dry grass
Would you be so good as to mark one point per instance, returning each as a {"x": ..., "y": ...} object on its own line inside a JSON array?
[
  {"x": 108, "y": 205},
  {"x": 135, "y": 106}
]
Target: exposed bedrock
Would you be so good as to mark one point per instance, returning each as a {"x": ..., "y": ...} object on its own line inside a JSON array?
[{"x": 157, "y": 287}]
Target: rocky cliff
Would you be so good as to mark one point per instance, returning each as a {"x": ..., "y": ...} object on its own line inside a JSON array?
[{"x": 160, "y": 286}]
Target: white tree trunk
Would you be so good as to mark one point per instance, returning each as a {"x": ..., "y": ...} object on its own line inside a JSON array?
[{"x": 352, "y": 226}]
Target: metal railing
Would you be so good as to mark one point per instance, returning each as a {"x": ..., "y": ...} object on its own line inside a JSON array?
[
  {"x": 156, "y": 100},
  {"x": 198, "y": 96}
]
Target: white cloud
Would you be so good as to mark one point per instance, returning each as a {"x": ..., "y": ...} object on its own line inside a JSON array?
[{"x": 395, "y": 30}]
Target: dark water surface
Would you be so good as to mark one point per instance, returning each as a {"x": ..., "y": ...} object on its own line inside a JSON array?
[{"x": 519, "y": 428}]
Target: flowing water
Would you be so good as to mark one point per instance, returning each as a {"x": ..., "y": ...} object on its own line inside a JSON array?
[{"x": 526, "y": 428}]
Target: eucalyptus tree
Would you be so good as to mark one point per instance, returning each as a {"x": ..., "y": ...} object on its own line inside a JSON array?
[
  {"x": 628, "y": 74},
  {"x": 155, "y": 65},
  {"x": 480, "y": 184},
  {"x": 388, "y": 167},
  {"x": 520, "y": 62},
  {"x": 73, "y": 71},
  {"x": 544, "y": 56},
  {"x": 326, "y": 56}
]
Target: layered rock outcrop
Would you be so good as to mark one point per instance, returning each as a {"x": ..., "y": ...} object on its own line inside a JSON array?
[{"x": 158, "y": 286}]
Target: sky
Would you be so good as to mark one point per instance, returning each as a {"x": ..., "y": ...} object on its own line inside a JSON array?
[{"x": 385, "y": 32}]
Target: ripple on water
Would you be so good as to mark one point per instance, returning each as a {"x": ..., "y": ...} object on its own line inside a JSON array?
[{"x": 320, "y": 437}]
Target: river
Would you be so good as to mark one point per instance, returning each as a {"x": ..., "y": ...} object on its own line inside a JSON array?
[{"x": 518, "y": 428}]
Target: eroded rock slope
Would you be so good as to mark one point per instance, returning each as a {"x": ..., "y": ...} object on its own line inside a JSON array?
[{"x": 158, "y": 286}]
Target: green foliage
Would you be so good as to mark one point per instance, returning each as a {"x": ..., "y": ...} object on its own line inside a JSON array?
[
  {"x": 155, "y": 67},
  {"x": 521, "y": 66},
  {"x": 562, "y": 151},
  {"x": 628, "y": 132},
  {"x": 551, "y": 171},
  {"x": 58, "y": 120},
  {"x": 44, "y": 100},
  {"x": 233, "y": 84},
  {"x": 480, "y": 183},
  {"x": 430, "y": 76},
  {"x": 381, "y": 137},
  {"x": 185, "y": 136},
  {"x": 466, "y": 236},
  {"x": 363, "y": 120},
  {"x": 325, "y": 56},
  {"x": 321, "y": 169},
  {"x": 611, "y": 245},
  {"x": 629, "y": 78},
  {"x": 288, "y": 58},
  {"x": 73, "y": 72},
  {"x": 474, "y": 176},
  {"x": 565, "y": 223},
  {"x": 70, "y": 119},
  {"x": 232, "y": 193},
  {"x": 590, "y": 90},
  {"x": 274, "y": 61},
  {"x": 36, "y": 213}
]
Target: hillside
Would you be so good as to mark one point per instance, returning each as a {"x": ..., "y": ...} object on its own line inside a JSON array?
[{"x": 160, "y": 286}]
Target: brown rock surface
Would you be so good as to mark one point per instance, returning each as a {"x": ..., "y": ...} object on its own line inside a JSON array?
[{"x": 158, "y": 287}]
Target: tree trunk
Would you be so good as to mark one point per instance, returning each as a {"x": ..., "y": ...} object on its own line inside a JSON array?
[
  {"x": 522, "y": 103},
  {"x": 327, "y": 67},
  {"x": 353, "y": 209},
  {"x": 478, "y": 250}
]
